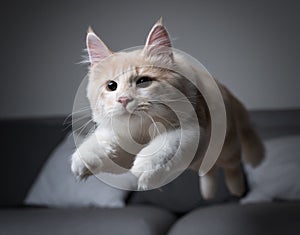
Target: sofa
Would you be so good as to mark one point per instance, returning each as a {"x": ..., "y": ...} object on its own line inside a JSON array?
[{"x": 176, "y": 208}]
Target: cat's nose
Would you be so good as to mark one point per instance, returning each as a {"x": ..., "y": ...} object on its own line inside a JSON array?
[{"x": 124, "y": 100}]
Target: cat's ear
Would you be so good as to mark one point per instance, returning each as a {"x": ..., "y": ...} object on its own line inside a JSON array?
[
  {"x": 158, "y": 41},
  {"x": 96, "y": 48}
]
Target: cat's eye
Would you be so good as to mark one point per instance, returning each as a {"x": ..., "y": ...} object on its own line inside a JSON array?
[
  {"x": 144, "y": 82},
  {"x": 112, "y": 85}
]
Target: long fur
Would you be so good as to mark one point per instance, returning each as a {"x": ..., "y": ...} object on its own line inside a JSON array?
[{"x": 122, "y": 140}]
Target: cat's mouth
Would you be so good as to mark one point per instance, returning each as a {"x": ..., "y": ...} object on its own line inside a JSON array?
[{"x": 145, "y": 106}]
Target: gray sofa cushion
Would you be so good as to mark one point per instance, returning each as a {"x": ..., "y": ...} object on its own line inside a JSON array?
[
  {"x": 56, "y": 186},
  {"x": 278, "y": 175},
  {"x": 182, "y": 195},
  {"x": 129, "y": 220},
  {"x": 276, "y": 123},
  {"x": 25, "y": 146},
  {"x": 235, "y": 219}
]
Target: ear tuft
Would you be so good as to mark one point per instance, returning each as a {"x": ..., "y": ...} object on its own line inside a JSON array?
[
  {"x": 97, "y": 50},
  {"x": 158, "y": 35},
  {"x": 158, "y": 40},
  {"x": 160, "y": 21},
  {"x": 90, "y": 30}
]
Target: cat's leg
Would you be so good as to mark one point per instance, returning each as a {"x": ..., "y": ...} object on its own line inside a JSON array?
[
  {"x": 94, "y": 155},
  {"x": 164, "y": 157},
  {"x": 233, "y": 172},
  {"x": 230, "y": 161},
  {"x": 234, "y": 179},
  {"x": 208, "y": 183}
]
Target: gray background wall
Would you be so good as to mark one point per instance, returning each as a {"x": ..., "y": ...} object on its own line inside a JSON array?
[{"x": 250, "y": 46}]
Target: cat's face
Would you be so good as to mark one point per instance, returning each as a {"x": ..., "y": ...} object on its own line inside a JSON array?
[{"x": 132, "y": 83}]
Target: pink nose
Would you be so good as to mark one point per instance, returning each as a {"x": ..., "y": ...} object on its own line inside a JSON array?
[{"x": 124, "y": 100}]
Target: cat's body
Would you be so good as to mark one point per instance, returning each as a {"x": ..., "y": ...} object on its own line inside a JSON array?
[{"x": 132, "y": 95}]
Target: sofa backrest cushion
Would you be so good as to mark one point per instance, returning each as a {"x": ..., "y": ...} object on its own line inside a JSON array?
[
  {"x": 276, "y": 123},
  {"x": 57, "y": 187},
  {"x": 25, "y": 145}
]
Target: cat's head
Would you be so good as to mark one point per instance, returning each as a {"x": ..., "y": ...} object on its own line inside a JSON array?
[{"x": 135, "y": 82}]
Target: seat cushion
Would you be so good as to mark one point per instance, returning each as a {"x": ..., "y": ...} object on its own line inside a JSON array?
[
  {"x": 56, "y": 186},
  {"x": 183, "y": 194},
  {"x": 277, "y": 177},
  {"x": 236, "y": 219},
  {"x": 128, "y": 220}
]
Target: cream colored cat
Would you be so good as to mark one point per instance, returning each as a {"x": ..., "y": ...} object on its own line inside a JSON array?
[{"x": 130, "y": 95}]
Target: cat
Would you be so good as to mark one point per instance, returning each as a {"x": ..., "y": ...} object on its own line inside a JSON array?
[{"x": 137, "y": 131}]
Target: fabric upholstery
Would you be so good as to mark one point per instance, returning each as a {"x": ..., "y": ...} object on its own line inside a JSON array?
[
  {"x": 25, "y": 146},
  {"x": 235, "y": 219},
  {"x": 56, "y": 186},
  {"x": 278, "y": 175},
  {"x": 129, "y": 220}
]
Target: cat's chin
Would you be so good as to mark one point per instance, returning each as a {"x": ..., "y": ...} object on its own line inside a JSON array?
[
  {"x": 128, "y": 112},
  {"x": 121, "y": 114}
]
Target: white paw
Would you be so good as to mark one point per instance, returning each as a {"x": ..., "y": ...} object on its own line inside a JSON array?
[
  {"x": 207, "y": 187},
  {"x": 145, "y": 182},
  {"x": 149, "y": 174},
  {"x": 151, "y": 180},
  {"x": 140, "y": 166},
  {"x": 83, "y": 166},
  {"x": 142, "y": 169}
]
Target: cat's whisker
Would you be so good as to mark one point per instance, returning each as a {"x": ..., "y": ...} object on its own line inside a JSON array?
[
  {"x": 188, "y": 96},
  {"x": 83, "y": 118},
  {"x": 83, "y": 128},
  {"x": 90, "y": 131},
  {"x": 79, "y": 114},
  {"x": 173, "y": 100},
  {"x": 142, "y": 108},
  {"x": 74, "y": 121},
  {"x": 141, "y": 121},
  {"x": 154, "y": 123},
  {"x": 92, "y": 128},
  {"x": 173, "y": 125},
  {"x": 81, "y": 110},
  {"x": 170, "y": 99},
  {"x": 176, "y": 111},
  {"x": 78, "y": 111},
  {"x": 107, "y": 117},
  {"x": 80, "y": 106},
  {"x": 68, "y": 125}
]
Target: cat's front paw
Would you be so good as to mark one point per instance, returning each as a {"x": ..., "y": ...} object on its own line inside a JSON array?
[
  {"x": 150, "y": 180},
  {"x": 148, "y": 174},
  {"x": 83, "y": 166},
  {"x": 146, "y": 181}
]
